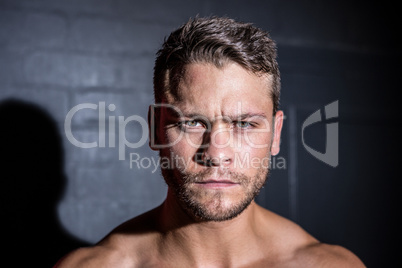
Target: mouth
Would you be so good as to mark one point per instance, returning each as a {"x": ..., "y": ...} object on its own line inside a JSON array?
[{"x": 217, "y": 184}]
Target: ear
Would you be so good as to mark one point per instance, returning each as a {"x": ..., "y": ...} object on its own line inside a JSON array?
[
  {"x": 153, "y": 130},
  {"x": 276, "y": 139}
]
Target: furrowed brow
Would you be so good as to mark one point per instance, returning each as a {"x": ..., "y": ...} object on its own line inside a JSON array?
[
  {"x": 193, "y": 115},
  {"x": 248, "y": 115},
  {"x": 228, "y": 117}
]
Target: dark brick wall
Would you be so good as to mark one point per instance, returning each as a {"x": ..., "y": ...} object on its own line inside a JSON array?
[{"x": 56, "y": 54}]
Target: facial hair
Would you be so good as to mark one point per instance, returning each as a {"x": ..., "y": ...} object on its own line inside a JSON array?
[{"x": 216, "y": 207}]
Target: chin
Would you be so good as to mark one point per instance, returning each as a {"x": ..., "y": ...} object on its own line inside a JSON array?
[{"x": 217, "y": 206}]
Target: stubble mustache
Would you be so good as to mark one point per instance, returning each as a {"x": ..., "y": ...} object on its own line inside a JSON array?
[{"x": 213, "y": 173}]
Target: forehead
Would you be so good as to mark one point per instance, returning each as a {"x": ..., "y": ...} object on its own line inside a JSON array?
[{"x": 206, "y": 89}]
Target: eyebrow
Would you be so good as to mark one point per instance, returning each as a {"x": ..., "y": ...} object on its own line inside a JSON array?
[
  {"x": 249, "y": 115},
  {"x": 231, "y": 117}
]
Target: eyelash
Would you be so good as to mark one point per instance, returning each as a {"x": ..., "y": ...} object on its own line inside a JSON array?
[
  {"x": 238, "y": 123},
  {"x": 185, "y": 124}
]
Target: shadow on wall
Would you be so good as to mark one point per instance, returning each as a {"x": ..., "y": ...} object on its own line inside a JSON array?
[{"x": 32, "y": 184}]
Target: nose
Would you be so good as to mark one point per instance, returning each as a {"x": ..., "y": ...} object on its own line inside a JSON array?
[{"x": 219, "y": 150}]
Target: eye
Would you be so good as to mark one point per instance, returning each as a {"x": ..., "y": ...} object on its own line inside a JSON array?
[
  {"x": 243, "y": 124},
  {"x": 191, "y": 123}
]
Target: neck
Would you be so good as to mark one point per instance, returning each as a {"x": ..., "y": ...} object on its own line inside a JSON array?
[{"x": 202, "y": 240}]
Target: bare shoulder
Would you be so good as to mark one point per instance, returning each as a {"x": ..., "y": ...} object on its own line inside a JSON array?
[
  {"x": 129, "y": 245},
  {"x": 115, "y": 250},
  {"x": 325, "y": 255},
  {"x": 96, "y": 256},
  {"x": 303, "y": 249}
]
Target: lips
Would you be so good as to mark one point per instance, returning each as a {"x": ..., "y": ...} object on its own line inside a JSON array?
[
  {"x": 217, "y": 184},
  {"x": 218, "y": 181}
]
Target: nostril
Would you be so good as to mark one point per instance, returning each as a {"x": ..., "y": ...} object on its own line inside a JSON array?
[
  {"x": 209, "y": 163},
  {"x": 225, "y": 161},
  {"x": 215, "y": 161},
  {"x": 198, "y": 158}
]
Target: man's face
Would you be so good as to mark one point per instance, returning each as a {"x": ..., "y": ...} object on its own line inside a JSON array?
[{"x": 219, "y": 138}]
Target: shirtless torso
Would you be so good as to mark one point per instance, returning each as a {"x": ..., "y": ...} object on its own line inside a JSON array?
[
  {"x": 151, "y": 240},
  {"x": 218, "y": 127}
]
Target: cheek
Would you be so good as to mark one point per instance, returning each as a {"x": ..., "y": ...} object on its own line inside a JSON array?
[
  {"x": 253, "y": 155},
  {"x": 253, "y": 158},
  {"x": 181, "y": 151},
  {"x": 255, "y": 140},
  {"x": 192, "y": 138},
  {"x": 171, "y": 136}
]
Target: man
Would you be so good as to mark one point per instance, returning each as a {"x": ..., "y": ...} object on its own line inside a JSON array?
[{"x": 216, "y": 124}]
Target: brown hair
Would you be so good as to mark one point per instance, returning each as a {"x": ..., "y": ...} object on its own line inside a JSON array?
[{"x": 215, "y": 40}]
